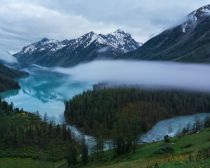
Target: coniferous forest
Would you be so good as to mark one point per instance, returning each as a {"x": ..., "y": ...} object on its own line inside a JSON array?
[
  {"x": 26, "y": 135},
  {"x": 8, "y": 78},
  {"x": 122, "y": 114}
]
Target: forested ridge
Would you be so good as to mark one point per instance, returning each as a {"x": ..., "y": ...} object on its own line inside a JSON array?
[
  {"x": 122, "y": 114},
  {"x": 8, "y": 78},
  {"x": 26, "y": 135},
  {"x": 105, "y": 106},
  {"x": 7, "y": 83}
]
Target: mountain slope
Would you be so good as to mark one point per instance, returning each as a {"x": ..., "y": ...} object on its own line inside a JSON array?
[
  {"x": 86, "y": 48},
  {"x": 7, "y": 78},
  {"x": 188, "y": 42}
]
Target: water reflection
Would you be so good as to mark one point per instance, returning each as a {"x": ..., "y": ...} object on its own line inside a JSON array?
[{"x": 45, "y": 91}]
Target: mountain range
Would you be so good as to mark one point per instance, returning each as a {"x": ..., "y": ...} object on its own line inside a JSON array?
[
  {"x": 187, "y": 42},
  {"x": 86, "y": 48}
]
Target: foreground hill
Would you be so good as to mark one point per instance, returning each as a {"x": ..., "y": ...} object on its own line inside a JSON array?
[
  {"x": 86, "y": 48},
  {"x": 189, "y": 151},
  {"x": 24, "y": 135},
  {"x": 187, "y": 42},
  {"x": 186, "y": 151},
  {"x": 8, "y": 77}
]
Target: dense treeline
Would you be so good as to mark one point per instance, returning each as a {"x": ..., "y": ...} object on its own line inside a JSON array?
[
  {"x": 7, "y": 84},
  {"x": 11, "y": 73},
  {"x": 24, "y": 134},
  {"x": 123, "y": 113},
  {"x": 8, "y": 76},
  {"x": 104, "y": 106}
]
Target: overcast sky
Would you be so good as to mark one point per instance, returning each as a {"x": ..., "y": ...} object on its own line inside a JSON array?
[{"x": 25, "y": 21}]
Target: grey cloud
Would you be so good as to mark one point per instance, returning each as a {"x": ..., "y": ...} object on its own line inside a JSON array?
[{"x": 149, "y": 74}]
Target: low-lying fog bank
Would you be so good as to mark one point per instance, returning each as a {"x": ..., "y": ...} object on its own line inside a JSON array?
[{"x": 143, "y": 73}]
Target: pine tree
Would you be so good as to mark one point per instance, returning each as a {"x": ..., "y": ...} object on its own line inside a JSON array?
[
  {"x": 72, "y": 155},
  {"x": 84, "y": 157}
]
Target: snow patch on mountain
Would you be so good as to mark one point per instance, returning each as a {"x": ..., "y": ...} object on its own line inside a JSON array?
[
  {"x": 194, "y": 17},
  {"x": 118, "y": 40},
  {"x": 43, "y": 45}
]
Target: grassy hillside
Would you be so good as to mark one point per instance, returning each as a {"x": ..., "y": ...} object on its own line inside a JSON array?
[
  {"x": 189, "y": 151},
  {"x": 29, "y": 163}
]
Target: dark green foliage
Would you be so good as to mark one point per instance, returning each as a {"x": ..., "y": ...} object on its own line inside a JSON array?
[
  {"x": 7, "y": 78},
  {"x": 186, "y": 146},
  {"x": 72, "y": 156},
  {"x": 107, "y": 106},
  {"x": 11, "y": 73},
  {"x": 167, "y": 139},
  {"x": 84, "y": 157},
  {"x": 24, "y": 134},
  {"x": 7, "y": 84},
  {"x": 198, "y": 125},
  {"x": 207, "y": 122},
  {"x": 165, "y": 149},
  {"x": 122, "y": 114},
  {"x": 126, "y": 130}
]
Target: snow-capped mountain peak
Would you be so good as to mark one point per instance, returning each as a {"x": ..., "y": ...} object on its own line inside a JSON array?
[
  {"x": 90, "y": 46},
  {"x": 203, "y": 11},
  {"x": 194, "y": 17},
  {"x": 44, "y": 44},
  {"x": 118, "y": 40},
  {"x": 87, "y": 39},
  {"x": 124, "y": 41}
]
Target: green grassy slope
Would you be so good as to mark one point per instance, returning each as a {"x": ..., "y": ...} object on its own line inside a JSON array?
[
  {"x": 28, "y": 163},
  {"x": 148, "y": 155}
]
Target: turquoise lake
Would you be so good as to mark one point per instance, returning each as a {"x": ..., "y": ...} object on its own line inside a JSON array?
[{"x": 45, "y": 91}]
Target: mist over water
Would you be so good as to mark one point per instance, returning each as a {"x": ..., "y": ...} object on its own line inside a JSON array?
[
  {"x": 144, "y": 73},
  {"x": 46, "y": 89}
]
